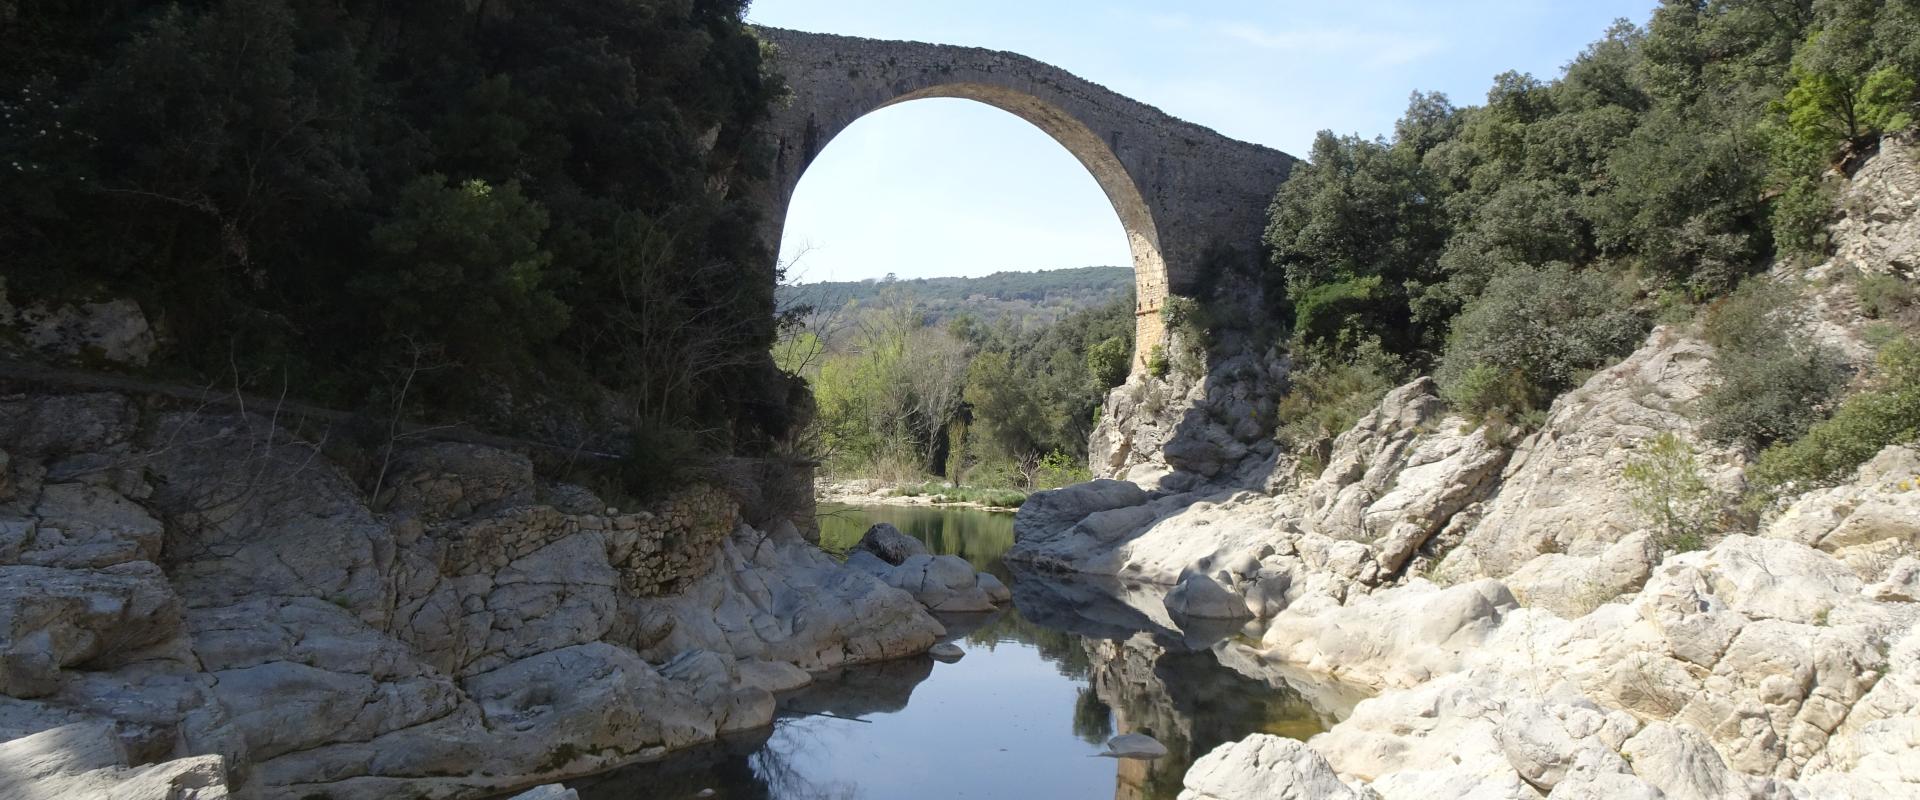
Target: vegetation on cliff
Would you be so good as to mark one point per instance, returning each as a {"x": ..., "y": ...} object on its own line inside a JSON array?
[
  {"x": 501, "y": 212},
  {"x": 1517, "y": 245}
]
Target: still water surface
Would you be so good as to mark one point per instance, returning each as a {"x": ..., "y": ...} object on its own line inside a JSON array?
[{"x": 1044, "y": 683}]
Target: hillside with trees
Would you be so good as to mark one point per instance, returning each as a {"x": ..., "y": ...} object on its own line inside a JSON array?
[
  {"x": 527, "y": 215},
  {"x": 1514, "y": 247},
  {"x": 909, "y": 388},
  {"x": 1031, "y": 299}
]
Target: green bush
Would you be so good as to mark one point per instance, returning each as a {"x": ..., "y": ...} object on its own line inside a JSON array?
[
  {"x": 1330, "y": 393},
  {"x": 1157, "y": 363},
  {"x": 1773, "y": 394},
  {"x": 1882, "y": 296},
  {"x": 1530, "y": 334},
  {"x": 1186, "y": 315},
  {"x": 1886, "y": 413},
  {"x": 1060, "y": 468},
  {"x": 1107, "y": 362},
  {"x": 1666, "y": 489},
  {"x": 1343, "y": 312},
  {"x": 1771, "y": 381}
]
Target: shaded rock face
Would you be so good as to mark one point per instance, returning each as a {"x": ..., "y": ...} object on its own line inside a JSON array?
[
  {"x": 1185, "y": 433},
  {"x": 239, "y": 611},
  {"x": 112, "y": 330}
]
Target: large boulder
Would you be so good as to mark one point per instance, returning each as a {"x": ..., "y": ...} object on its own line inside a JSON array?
[
  {"x": 1264, "y": 767},
  {"x": 1399, "y": 637},
  {"x": 942, "y": 583},
  {"x": 1200, "y": 596},
  {"x": 1866, "y": 522},
  {"x": 1572, "y": 586},
  {"x": 89, "y": 760},
  {"x": 892, "y": 546}
]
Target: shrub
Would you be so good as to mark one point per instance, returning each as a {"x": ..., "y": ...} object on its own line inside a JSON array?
[
  {"x": 1107, "y": 362},
  {"x": 1772, "y": 381},
  {"x": 1882, "y": 296},
  {"x": 1330, "y": 393},
  {"x": 1666, "y": 489},
  {"x": 1157, "y": 363},
  {"x": 1186, "y": 315},
  {"x": 1773, "y": 394},
  {"x": 1335, "y": 314},
  {"x": 1747, "y": 318},
  {"x": 1886, "y": 413},
  {"x": 1531, "y": 334},
  {"x": 1060, "y": 468}
]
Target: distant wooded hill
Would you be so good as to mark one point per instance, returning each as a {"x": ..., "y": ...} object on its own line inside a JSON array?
[{"x": 1028, "y": 298}]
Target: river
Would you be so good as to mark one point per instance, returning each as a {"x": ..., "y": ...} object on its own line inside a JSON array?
[{"x": 1043, "y": 685}]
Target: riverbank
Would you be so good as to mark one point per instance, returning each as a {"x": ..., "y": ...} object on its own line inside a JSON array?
[
  {"x": 875, "y": 492},
  {"x": 212, "y": 597}
]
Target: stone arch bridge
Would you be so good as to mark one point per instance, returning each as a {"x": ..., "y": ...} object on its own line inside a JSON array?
[{"x": 1184, "y": 194}]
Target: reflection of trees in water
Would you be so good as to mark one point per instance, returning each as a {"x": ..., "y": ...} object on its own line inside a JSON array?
[
  {"x": 1063, "y": 649},
  {"x": 980, "y": 537},
  {"x": 778, "y": 765},
  {"x": 1092, "y": 718},
  {"x": 1154, "y": 682},
  {"x": 722, "y": 766}
]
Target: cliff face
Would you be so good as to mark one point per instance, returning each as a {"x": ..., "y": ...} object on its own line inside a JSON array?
[
  {"x": 1530, "y": 633},
  {"x": 200, "y": 583}
]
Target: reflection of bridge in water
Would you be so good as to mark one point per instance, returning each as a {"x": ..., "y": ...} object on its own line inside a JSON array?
[{"x": 1133, "y": 674}]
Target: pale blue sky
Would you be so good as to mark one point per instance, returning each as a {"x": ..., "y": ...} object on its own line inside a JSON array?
[{"x": 952, "y": 187}]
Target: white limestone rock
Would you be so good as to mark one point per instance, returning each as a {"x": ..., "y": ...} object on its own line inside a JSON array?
[
  {"x": 1265, "y": 767},
  {"x": 88, "y": 760},
  {"x": 1572, "y": 586},
  {"x": 1562, "y": 492},
  {"x": 1398, "y": 637},
  {"x": 1400, "y": 474}
]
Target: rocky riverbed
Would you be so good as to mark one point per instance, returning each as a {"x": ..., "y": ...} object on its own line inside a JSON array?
[
  {"x": 195, "y": 602},
  {"x": 1527, "y": 631}
]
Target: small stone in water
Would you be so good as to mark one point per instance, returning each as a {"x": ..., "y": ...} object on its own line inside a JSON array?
[
  {"x": 1134, "y": 745},
  {"x": 706, "y": 793},
  {"x": 947, "y": 652}
]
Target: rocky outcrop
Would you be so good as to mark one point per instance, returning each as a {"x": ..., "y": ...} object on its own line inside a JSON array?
[
  {"x": 90, "y": 760},
  {"x": 113, "y": 330},
  {"x": 1265, "y": 767},
  {"x": 1563, "y": 491},
  {"x": 1880, "y": 231},
  {"x": 1401, "y": 474},
  {"x": 1528, "y": 629},
  {"x": 214, "y": 586},
  {"x": 1186, "y": 431}
]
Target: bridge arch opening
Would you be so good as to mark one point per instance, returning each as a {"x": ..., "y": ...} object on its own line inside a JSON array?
[{"x": 1093, "y": 153}]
